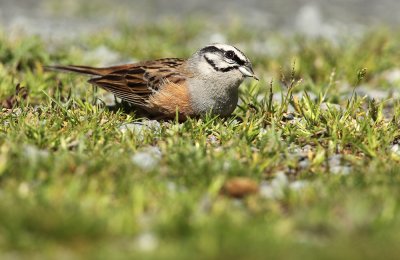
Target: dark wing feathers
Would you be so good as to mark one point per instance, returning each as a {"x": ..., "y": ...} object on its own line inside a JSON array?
[{"x": 134, "y": 83}]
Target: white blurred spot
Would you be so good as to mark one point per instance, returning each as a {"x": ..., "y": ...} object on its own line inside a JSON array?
[
  {"x": 33, "y": 153},
  {"x": 342, "y": 170},
  {"x": 392, "y": 76},
  {"x": 309, "y": 21},
  {"x": 147, "y": 242},
  {"x": 298, "y": 185},
  {"x": 217, "y": 38},
  {"x": 102, "y": 55},
  {"x": 275, "y": 189},
  {"x": 147, "y": 159},
  {"x": 23, "y": 189},
  {"x": 395, "y": 148}
]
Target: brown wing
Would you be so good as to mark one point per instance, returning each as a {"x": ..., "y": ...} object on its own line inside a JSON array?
[{"x": 135, "y": 83}]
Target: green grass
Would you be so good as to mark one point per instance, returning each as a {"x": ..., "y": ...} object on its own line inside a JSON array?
[{"x": 70, "y": 184}]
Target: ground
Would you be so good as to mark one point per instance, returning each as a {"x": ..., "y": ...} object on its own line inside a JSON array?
[{"x": 307, "y": 167}]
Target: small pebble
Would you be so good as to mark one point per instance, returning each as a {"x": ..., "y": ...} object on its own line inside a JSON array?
[
  {"x": 147, "y": 159},
  {"x": 239, "y": 187}
]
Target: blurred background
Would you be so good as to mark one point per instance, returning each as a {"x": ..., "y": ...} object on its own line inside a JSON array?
[
  {"x": 53, "y": 19},
  {"x": 79, "y": 180}
]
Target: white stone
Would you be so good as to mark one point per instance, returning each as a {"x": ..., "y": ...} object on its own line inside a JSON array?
[{"x": 147, "y": 159}]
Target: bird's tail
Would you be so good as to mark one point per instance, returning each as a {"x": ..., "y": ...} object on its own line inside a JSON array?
[{"x": 80, "y": 69}]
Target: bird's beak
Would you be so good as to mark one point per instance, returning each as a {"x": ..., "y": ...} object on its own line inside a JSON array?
[{"x": 247, "y": 71}]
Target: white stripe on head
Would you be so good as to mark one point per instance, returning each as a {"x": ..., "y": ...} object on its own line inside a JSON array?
[{"x": 227, "y": 47}]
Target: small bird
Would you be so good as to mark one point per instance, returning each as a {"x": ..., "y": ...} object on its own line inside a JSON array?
[{"x": 208, "y": 81}]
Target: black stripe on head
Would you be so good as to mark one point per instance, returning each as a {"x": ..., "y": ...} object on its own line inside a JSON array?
[
  {"x": 240, "y": 52},
  {"x": 210, "y": 49},
  {"x": 229, "y": 68},
  {"x": 238, "y": 60},
  {"x": 219, "y": 69}
]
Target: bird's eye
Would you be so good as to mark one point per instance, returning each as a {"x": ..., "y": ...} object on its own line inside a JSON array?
[{"x": 230, "y": 54}]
